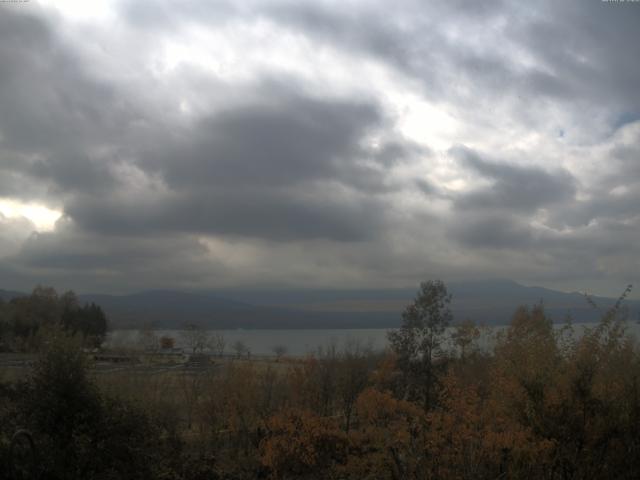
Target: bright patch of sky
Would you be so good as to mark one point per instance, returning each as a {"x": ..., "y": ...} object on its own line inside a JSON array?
[{"x": 42, "y": 217}]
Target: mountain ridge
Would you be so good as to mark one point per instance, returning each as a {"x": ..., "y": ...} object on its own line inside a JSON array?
[{"x": 490, "y": 302}]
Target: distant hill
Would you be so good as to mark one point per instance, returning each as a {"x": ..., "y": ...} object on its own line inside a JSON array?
[
  {"x": 172, "y": 309},
  {"x": 7, "y": 295},
  {"x": 491, "y": 302}
]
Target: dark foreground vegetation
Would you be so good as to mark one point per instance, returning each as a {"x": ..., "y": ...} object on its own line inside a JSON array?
[{"x": 543, "y": 403}]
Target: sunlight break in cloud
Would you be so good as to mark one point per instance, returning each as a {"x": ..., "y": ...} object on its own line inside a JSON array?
[{"x": 42, "y": 217}]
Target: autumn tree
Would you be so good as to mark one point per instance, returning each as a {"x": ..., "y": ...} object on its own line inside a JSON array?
[
  {"x": 389, "y": 442},
  {"x": 271, "y": 391},
  {"x": 305, "y": 391},
  {"x": 241, "y": 405},
  {"x": 526, "y": 367},
  {"x": 167, "y": 343},
  {"x": 301, "y": 444},
  {"x": 418, "y": 342}
]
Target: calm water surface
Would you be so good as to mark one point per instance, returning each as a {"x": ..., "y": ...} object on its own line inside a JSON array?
[{"x": 302, "y": 342}]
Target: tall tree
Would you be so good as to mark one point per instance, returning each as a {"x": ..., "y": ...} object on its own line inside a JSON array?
[{"x": 417, "y": 343}]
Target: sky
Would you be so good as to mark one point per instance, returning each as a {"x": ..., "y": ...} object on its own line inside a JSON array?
[{"x": 320, "y": 144}]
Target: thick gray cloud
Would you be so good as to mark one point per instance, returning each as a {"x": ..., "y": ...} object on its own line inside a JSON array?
[
  {"x": 279, "y": 152},
  {"x": 290, "y": 140},
  {"x": 501, "y": 55},
  {"x": 254, "y": 212},
  {"x": 266, "y": 168},
  {"x": 504, "y": 215},
  {"x": 492, "y": 231},
  {"x": 521, "y": 188},
  {"x": 290, "y": 169},
  {"x": 55, "y": 118},
  {"x": 587, "y": 46},
  {"x": 74, "y": 258}
]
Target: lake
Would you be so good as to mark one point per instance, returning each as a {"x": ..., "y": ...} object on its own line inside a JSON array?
[
  {"x": 261, "y": 342},
  {"x": 302, "y": 342}
]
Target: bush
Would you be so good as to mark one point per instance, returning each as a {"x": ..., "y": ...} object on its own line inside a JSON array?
[{"x": 81, "y": 434}]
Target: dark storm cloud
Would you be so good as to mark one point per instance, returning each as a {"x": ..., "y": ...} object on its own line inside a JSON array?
[
  {"x": 513, "y": 187},
  {"x": 492, "y": 231},
  {"x": 74, "y": 258},
  {"x": 290, "y": 169},
  {"x": 287, "y": 141},
  {"x": 255, "y": 212},
  {"x": 72, "y": 249},
  {"x": 77, "y": 172}
]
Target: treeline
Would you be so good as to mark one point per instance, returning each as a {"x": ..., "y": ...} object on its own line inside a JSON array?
[
  {"x": 543, "y": 403},
  {"x": 26, "y": 322}
]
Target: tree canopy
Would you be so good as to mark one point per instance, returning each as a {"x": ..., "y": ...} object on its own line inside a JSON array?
[
  {"x": 25, "y": 320},
  {"x": 418, "y": 342}
]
